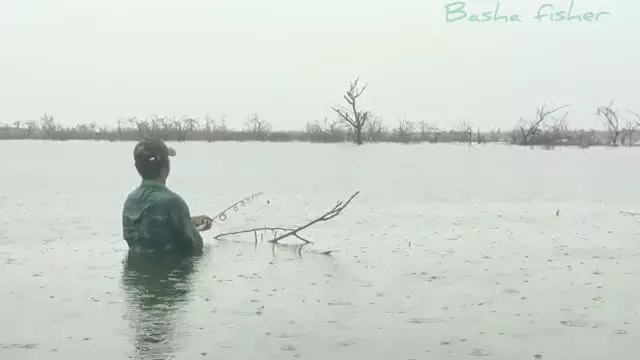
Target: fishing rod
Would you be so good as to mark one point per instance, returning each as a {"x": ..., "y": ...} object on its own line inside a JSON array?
[{"x": 222, "y": 216}]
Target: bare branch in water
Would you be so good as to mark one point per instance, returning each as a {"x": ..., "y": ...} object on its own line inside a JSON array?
[
  {"x": 629, "y": 213},
  {"x": 335, "y": 211},
  {"x": 254, "y": 230},
  {"x": 294, "y": 231}
]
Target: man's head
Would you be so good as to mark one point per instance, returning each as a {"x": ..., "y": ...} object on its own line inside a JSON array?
[{"x": 152, "y": 159}]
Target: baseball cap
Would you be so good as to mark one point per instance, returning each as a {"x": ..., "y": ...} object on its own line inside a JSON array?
[{"x": 151, "y": 150}]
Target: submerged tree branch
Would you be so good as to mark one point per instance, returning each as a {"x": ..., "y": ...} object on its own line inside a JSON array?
[
  {"x": 324, "y": 217},
  {"x": 294, "y": 231},
  {"x": 254, "y": 230}
]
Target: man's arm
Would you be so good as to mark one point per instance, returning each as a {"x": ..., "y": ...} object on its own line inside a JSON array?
[{"x": 184, "y": 226}]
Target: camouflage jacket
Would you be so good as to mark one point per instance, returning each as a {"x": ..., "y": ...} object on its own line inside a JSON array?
[{"x": 155, "y": 218}]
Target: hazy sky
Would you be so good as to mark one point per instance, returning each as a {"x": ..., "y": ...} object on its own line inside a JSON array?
[{"x": 290, "y": 60}]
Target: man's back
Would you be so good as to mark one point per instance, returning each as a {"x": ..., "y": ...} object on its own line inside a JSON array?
[{"x": 156, "y": 219}]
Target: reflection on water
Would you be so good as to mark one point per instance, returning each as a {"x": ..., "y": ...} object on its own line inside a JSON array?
[{"x": 157, "y": 291}]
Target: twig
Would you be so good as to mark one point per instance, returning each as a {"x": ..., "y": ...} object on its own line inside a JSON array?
[
  {"x": 629, "y": 213},
  {"x": 326, "y": 216}
]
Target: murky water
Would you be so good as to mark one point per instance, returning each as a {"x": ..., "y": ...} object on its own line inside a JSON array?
[{"x": 447, "y": 253}]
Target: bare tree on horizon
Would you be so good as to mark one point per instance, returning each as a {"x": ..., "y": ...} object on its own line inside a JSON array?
[
  {"x": 352, "y": 116},
  {"x": 612, "y": 121},
  {"x": 466, "y": 130},
  {"x": 528, "y": 131},
  {"x": 257, "y": 126},
  {"x": 404, "y": 130}
]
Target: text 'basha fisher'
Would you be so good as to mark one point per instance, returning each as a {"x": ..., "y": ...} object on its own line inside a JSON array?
[{"x": 456, "y": 11}]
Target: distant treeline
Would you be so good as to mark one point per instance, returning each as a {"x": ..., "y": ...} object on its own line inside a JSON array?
[
  {"x": 544, "y": 130},
  {"x": 353, "y": 124},
  {"x": 256, "y": 129}
]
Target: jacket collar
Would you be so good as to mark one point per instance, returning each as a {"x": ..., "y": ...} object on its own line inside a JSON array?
[{"x": 152, "y": 183}]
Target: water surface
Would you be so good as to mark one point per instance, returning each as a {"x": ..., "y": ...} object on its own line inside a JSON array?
[{"x": 447, "y": 253}]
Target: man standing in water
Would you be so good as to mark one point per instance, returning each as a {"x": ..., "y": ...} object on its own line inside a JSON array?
[{"x": 154, "y": 218}]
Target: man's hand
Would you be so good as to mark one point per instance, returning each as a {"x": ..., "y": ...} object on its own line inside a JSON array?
[{"x": 202, "y": 222}]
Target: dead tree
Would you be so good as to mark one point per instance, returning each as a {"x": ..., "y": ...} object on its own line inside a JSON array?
[
  {"x": 423, "y": 130},
  {"x": 466, "y": 131},
  {"x": 528, "y": 131},
  {"x": 630, "y": 128},
  {"x": 351, "y": 116},
  {"x": 259, "y": 128},
  {"x": 404, "y": 131},
  {"x": 555, "y": 133},
  {"x": 375, "y": 130},
  {"x": 429, "y": 132},
  {"x": 141, "y": 125},
  {"x": 213, "y": 127},
  {"x": 293, "y": 231},
  {"x": 585, "y": 139},
  {"x": 494, "y": 135},
  {"x": 480, "y": 139},
  {"x": 637, "y": 116},
  {"x": 180, "y": 127},
  {"x": 612, "y": 121},
  {"x": 435, "y": 134}
]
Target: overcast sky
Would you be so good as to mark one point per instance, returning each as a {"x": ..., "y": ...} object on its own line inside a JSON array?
[{"x": 290, "y": 60}]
